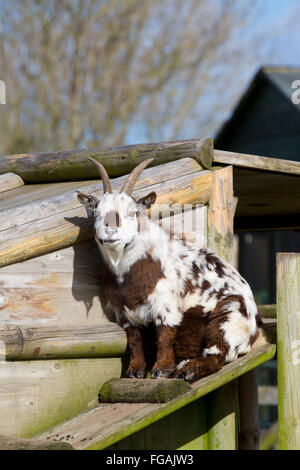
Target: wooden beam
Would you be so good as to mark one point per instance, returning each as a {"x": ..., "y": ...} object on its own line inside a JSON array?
[
  {"x": 109, "y": 423},
  {"x": 222, "y": 416},
  {"x": 288, "y": 332},
  {"x": 14, "y": 443},
  {"x": 142, "y": 390},
  {"x": 267, "y": 311},
  {"x": 64, "y": 341},
  {"x": 10, "y": 181},
  {"x": 248, "y": 404},
  {"x": 35, "y": 202},
  {"x": 71, "y": 226},
  {"x": 38, "y": 394},
  {"x": 256, "y": 162},
  {"x": 73, "y": 165}
]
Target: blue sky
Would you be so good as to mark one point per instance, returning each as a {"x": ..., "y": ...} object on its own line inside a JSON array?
[{"x": 272, "y": 37}]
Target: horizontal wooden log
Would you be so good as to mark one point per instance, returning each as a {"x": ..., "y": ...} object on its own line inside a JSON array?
[
  {"x": 14, "y": 443},
  {"x": 267, "y": 311},
  {"x": 73, "y": 165},
  {"x": 109, "y": 423},
  {"x": 10, "y": 181},
  {"x": 65, "y": 341},
  {"x": 256, "y": 162},
  {"x": 142, "y": 391},
  {"x": 36, "y": 395},
  {"x": 73, "y": 226}
]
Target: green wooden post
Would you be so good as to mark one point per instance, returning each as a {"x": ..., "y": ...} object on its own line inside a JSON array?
[
  {"x": 222, "y": 405},
  {"x": 222, "y": 419},
  {"x": 288, "y": 341}
]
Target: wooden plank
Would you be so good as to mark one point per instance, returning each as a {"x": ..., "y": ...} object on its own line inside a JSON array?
[
  {"x": 10, "y": 181},
  {"x": 267, "y": 311},
  {"x": 265, "y": 193},
  {"x": 109, "y": 423},
  {"x": 269, "y": 437},
  {"x": 220, "y": 214},
  {"x": 270, "y": 329},
  {"x": 222, "y": 431},
  {"x": 288, "y": 333},
  {"x": 67, "y": 341},
  {"x": 257, "y": 162},
  {"x": 222, "y": 421},
  {"x": 72, "y": 226},
  {"x": 35, "y": 395},
  {"x": 34, "y": 202},
  {"x": 72, "y": 164},
  {"x": 13, "y": 443},
  {"x": 184, "y": 429},
  {"x": 142, "y": 390},
  {"x": 57, "y": 288},
  {"x": 268, "y": 395}
]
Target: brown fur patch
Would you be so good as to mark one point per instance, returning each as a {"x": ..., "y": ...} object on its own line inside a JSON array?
[
  {"x": 137, "y": 363},
  {"x": 190, "y": 334},
  {"x": 138, "y": 283}
]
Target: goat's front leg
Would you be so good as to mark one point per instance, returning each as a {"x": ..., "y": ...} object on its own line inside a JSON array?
[
  {"x": 165, "y": 361},
  {"x": 137, "y": 365}
]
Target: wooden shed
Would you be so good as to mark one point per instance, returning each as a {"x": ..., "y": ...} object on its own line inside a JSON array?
[
  {"x": 266, "y": 121},
  {"x": 59, "y": 347}
]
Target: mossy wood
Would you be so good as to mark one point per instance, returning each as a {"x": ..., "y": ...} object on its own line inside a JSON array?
[
  {"x": 73, "y": 164},
  {"x": 13, "y": 443},
  {"x": 142, "y": 390},
  {"x": 23, "y": 342},
  {"x": 36, "y": 395},
  {"x": 288, "y": 340},
  {"x": 222, "y": 412},
  {"x": 109, "y": 423}
]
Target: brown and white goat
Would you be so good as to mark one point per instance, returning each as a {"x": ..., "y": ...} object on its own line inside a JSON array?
[{"x": 203, "y": 310}]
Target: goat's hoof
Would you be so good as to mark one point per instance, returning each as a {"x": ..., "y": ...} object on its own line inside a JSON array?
[
  {"x": 158, "y": 372},
  {"x": 186, "y": 373},
  {"x": 136, "y": 373}
]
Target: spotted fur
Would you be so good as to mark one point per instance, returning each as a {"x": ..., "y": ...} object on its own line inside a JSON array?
[{"x": 204, "y": 311}]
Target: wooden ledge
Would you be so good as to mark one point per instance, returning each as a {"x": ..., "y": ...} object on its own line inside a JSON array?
[
  {"x": 109, "y": 423},
  {"x": 64, "y": 341},
  {"x": 13, "y": 443}
]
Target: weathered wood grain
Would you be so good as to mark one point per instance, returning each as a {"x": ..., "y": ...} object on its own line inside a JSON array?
[
  {"x": 13, "y": 443},
  {"x": 142, "y": 390},
  {"x": 34, "y": 202},
  {"x": 109, "y": 423},
  {"x": 38, "y": 394},
  {"x": 257, "y": 162},
  {"x": 288, "y": 340},
  {"x": 10, "y": 181},
  {"x": 220, "y": 214},
  {"x": 72, "y": 164},
  {"x": 63, "y": 341},
  {"x": 72, "y": 226},
  {"x": 267, "y": 311}
]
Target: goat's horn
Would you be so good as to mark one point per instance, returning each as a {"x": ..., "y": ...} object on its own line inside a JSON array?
[
  {"x": 132, "y": 178},
  {"x": 103, "y": 174}
]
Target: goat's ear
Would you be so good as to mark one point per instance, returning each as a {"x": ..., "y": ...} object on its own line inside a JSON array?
[
  {"x": 88, "y": 200},
  {"x": 148, "y": 200}
]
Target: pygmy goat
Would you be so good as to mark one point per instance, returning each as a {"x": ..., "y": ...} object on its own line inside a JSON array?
[{"x": 203, "y": 310}]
